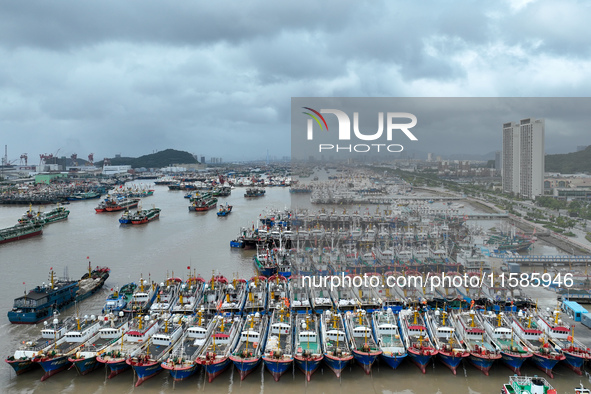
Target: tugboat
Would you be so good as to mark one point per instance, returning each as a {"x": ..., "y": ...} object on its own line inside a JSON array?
[
  {"x": 247, "y": 354},
  {"x": 22, "y": 360},
  {"x": 117, "y": 301},
  {"x": 308, "y": 351},
  {"x": 181, "y": 362},
  {"x": 482, "y": 353},
  {"x": 514, "y": 352},
  {"x": 148, "y": 362},
  {"x": 55, "y": 358},
  {"x": 278, "y": 356},
  {"x": 130, "y": 344},
  {"x": 225, "y": 210},
  {"x": 335, "y": 347},
  {"x": 450, "y": 349},
  {"x": 418, "y": 344},
  {"x": 361, "y": 339},
  {"x": 574, "y": 351},
  {"x": 546, "y": 354},
  {"x": 385, "y": 325},
  {"x": 85, "y": 358},
  {"x": 214, "y": 356}
]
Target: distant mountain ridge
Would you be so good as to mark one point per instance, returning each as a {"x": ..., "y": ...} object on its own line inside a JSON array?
[
  {"x": 163, "y": 158},
  {"x": 569, "y": 163}
]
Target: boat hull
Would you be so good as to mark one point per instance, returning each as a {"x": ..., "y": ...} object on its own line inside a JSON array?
[
  {"x": 22, "y": 366},
  {"x": 451, "y": 361},
  {"x": 546, "y": 364},
  {"x": 574, "y": 362},
  {"x": 514, "y": 362},
  {"x": 420, "y": 360},
  {"x": 145, "y": 371},
  {"x": 85, "y": 365},
  {"x": 53, "y": 366},
  {"x": 394, "y": 360},
  {"x": 277, "y": 367},
  {"x": 245, "y": 366},
  {"x": 179, "y": 373},
  {"x": 337, "y": 364},
  {"x": 114, "y": 368},
  {"x": 365, "y": 359},
  {"x": 215, "y": 368},
  {"x": 482, "y": 363},
  {"x": 308, "y": 365},
  {"x": 23, "y": 236}
]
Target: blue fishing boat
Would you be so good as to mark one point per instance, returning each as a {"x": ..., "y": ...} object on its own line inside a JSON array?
[
  {"x": 278, "y": 355},
  {"x": 385, "y": 325},
  {"x": 418, "y": 344},
  {"x": 308, "y": 350},
  {"x": 363, "y": 344},
  {"x": 335, "y": 347},
  {"x": 482, "y": 353},
  {"x": 451, "y": 350},
  {"x": 117, "y": 301},
  {"x": 214, "y": 356},
  {"x": 224, "y": 210},
  {"x": 249, "y": 350}
]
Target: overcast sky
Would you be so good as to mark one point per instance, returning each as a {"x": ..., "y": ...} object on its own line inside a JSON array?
[{"x": 216, "y": 78}]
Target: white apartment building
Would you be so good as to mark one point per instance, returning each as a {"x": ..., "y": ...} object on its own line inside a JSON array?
[{"x": 523, "y": 157}]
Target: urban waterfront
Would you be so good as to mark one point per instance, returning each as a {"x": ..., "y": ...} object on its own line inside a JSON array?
[{"x": 181, "y": 239}]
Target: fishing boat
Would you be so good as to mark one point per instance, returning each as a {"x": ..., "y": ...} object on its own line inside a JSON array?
[
  {"x": 117, "y": 301},
  {"x": 513, "y": 350},
  {"x": 203, "y": 202},
  {"x": 278, "y": 292},
  {"x": 256, "y": 298},
  {"x": 575, "y": 352},
  {"x": 225, "y": 210},
  {"x": 299, "y": 294},
  {"x": 145, "y": 215},
  {"x": 344, "y": 297},
  {"x": 335, "y": 346},
  {"x": 112, "y": 328},
  {"x": 253, "y": 192},
  {"x": 115, "y": 355},
  {"x": 190, "y": 292},
  {"x": 181, "y": 361},
  {"x": 214, "y": 355},
  {"x": 41, "y": 302},
  {"x": 527, "y": 385},
  {"x": 546, "y": 353},
  {"x": 361, "y": 339},
  {"x": 418, "y": 344},
  {"x": 55, "y": 215},
  {"x": 121, "y": 205},
  {"x": 482, "y": 352},
  {"x": 265, "y": 262},
  {"x": 278, "y": 356},
  {"x": 22, "y": 359},
  {"x": 213, "y": 292},
  {"x": 55, "y": 358},
  {"x": 389, "y": 340},
  {"x": 83, "y": 196},
  {"x": 167, "y": 296},
  {"x": 308, "y": 352},
  {"x": 148, "y": 362},
  {"x": 450, "y": 349},
  {"x": 251, "y": 344},
  {"x": 19, "y": 232},
  {"x": 143, "y": 297},
  {"x": 126, "y": 217},
  {"x": 234, "y": 296}
]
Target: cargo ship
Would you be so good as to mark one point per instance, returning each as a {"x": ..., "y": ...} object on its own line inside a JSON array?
[
  {"x": 203, "y": 202},
  {"x": 145, "y": 216},
  {"x": 41, "y": 302},
  {"x": 20, "y": 231},
  {"x": 55, "y": 215}
]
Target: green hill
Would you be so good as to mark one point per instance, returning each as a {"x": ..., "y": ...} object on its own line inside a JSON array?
[
  {"x": 569, "y": 163},
  {"x": 160, "y": 159}
]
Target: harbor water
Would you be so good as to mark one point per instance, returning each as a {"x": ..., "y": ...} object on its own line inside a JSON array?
[{"x": 200, "y": 240}]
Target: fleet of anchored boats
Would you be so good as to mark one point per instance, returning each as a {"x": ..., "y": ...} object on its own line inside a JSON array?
[{"x": 181, "y": 326}]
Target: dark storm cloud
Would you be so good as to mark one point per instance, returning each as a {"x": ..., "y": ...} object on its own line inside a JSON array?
[{"x": 216, "y": 78}]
